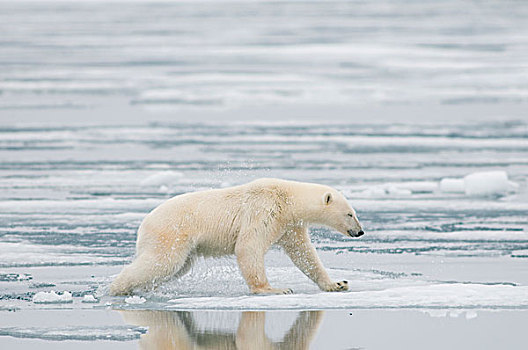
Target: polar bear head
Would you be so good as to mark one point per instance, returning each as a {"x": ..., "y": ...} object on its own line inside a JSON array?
[{"x": 338, "y": 214}]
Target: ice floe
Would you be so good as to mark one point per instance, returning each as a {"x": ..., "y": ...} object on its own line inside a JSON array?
[
  {"x": 52, "y": 297},
  {"x": 29, "y": 254},
  {"x": 488, "y": 183},
  {"x": 89, "y": 298},
  {"x": 481, "y": 183},
  {"x": 443, "y": 295}
]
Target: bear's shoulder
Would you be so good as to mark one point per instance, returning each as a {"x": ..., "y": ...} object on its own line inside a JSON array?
[{"x": 268, "y": 186}]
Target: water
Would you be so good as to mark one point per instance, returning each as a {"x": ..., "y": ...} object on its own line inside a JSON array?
[
  {"x": 107, "y": 110},
  {"x": 224, "y": 54},
  {"x": 73, "y": 196}
]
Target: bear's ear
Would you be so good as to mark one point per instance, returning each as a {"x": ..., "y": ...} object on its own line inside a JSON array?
[{"x": 327, "y": 198}]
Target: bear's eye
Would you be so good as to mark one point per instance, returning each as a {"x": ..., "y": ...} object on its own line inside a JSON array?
[{"x": 351, "y": 215}]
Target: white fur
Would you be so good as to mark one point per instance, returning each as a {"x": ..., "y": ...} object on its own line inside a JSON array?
[{"x": 243, "y": 220}]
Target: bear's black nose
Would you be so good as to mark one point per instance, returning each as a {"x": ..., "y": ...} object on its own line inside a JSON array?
[{"x": 360, "y": 233}]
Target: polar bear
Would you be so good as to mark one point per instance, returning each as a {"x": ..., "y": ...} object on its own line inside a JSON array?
[{"x": 244, "y": 220}]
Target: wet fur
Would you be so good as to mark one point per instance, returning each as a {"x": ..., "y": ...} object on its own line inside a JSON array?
[{"x": 244, "y": 220}]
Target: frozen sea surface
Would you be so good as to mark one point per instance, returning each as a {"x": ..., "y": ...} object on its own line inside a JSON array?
[
  {"x": 107, "y": 110},
  {"x": 72, "y": 197},
  {"x": 77, "y": 207},
  {"x": 168, "y": 54}
]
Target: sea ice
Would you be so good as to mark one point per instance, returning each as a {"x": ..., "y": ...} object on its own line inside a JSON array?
[
  {"x": 89, "y": 298},
  {"x": 162, "y": 178},
  {"x": 52, "y": 298},
  {"x": 488, "y": 183},
  {"x": 135, "y": 300},
  {"x": 385, "y": 190},
  {"x": 115, "y": 333},
  {"x": 14, "y": 277},
  {"x": 452, "y": 185},
  {"x": 442, "y": 295},
  {"x": 479, "y": 184}
]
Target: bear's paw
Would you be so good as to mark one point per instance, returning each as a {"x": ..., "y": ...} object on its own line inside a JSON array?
[{"x": 336, "y": 287}]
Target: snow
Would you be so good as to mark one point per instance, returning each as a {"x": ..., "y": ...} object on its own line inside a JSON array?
[
  {"x": 135, "y": 300},
  {"x": 52, "y": 297},
  {"x": 458, "y": 295}
]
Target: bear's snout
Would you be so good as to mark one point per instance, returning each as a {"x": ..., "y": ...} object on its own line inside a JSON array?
[{"x": 351, "y": 233}]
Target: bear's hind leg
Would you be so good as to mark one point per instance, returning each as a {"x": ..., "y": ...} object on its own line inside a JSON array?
[
  {"x": 149, "y": 269},
  {"x": 186, "y": 266}
]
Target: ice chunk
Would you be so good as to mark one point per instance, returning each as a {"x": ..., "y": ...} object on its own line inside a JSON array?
[
  {"x": 135, "y": 300},
  {"x": 52, "y": 298},
  {"x": 488, "y": 183},
  {"x": 452, "y": 185},
  {"x": 89, "y": 298},
  {"x": 162, "y": 178},
  {"x": 479, "y": 184}
]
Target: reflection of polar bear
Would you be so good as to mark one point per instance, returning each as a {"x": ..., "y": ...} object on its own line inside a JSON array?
[
  {"x": 178, "y": 330},
  {"x": 242, "y": 220}
]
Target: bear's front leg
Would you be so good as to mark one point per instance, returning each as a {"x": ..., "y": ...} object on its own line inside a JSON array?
[
  {"x": 250, "y": 258},
  {"x": 297, "y": 245}
]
